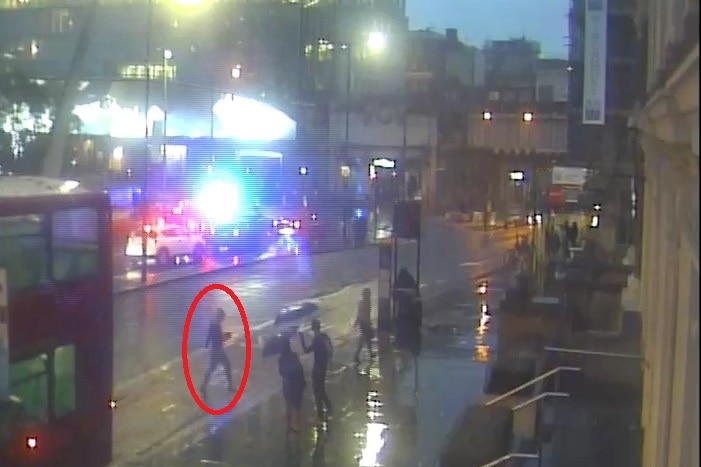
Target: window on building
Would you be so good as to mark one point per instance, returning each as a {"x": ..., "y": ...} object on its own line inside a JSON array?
[
  {"x": 29, "y": 381},
  {"x": 61, "y": 21},
  {"x": 64, "y": 375},
  {"x": 74, "y": 244},
  {"x": 493, "y": 96}
]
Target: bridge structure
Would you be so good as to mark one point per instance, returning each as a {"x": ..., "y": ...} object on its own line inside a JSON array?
[{"x": 508, "y": 156}]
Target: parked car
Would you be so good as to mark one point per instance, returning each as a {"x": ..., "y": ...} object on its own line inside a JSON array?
[{"x": 168, "y": 244}]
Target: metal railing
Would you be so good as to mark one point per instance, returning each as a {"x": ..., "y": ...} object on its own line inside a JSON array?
[
  {"x": 508, "y": 457},
  {"x": 537, "y": 398},
  {"x": 532, "y": 382},
  {"x": 594, "y": 353}
]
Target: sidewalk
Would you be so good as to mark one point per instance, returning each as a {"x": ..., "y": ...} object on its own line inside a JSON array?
[{"x": 380, "y": 416}]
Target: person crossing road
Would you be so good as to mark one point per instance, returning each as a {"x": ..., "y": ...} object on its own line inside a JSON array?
[{"x": 217, "y": 355}]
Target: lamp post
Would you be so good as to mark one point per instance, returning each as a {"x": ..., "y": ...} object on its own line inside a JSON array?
[
  {"x": 349, "y": 68},
  {"x": 167, "y": 55},
  {"x": 303, "y": 172},
  {"x": 147, "y": 104},
  {"x": 376, "y": 42}
]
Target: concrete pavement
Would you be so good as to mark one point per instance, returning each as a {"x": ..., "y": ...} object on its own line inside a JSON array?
[
  {"x": 387, "y": 412},
  {"x": 152, "y": 400}
]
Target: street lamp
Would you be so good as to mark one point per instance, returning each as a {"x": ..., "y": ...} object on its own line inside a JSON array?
[
  {"x": 486, "y": 115},
  {"x": 303, "y": 172},
  {"x": 147, "y": 156},
  {"x": 377, "y": 41},
  {"x": 528, "y": 117},
  {"x": 236, "y": 72},
  {"x": 167, "y": 55}
]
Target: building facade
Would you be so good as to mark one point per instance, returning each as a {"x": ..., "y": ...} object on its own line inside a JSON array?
[
  {"x": 667, "y": 128},
  {"x": 517, "y": 124},
  {"x": 304, "y": 58}
]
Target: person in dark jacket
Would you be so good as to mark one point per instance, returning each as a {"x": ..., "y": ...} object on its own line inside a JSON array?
[
  {"x": 409, "y": 322},
  {"x": 363, "y": 321},
  {"x": 404, "y": 290},
  {"x": 217, "y": 356},
  {"x": 405, "y": 280},
  {"x": 293, "y": 384},
  {"x": 322, "y": 348}
]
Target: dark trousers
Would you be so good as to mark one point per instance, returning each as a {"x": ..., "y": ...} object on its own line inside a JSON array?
[
  {"x": 216, "y": 358},
  {"x": 323, "y": 403},
  {"x": 365, "y": 340}
]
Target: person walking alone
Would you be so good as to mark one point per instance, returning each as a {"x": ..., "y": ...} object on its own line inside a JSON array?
[
  {"x": 217, "y": 356},
  {"x": 322, "y": 348},
  {"x": 364, "y": 323}
]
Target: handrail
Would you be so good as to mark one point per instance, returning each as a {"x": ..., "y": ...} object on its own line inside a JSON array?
[
  {"x": 535, "y": 380},
  {"x": 540, "y": 396},
  {"x": 514, "y": 455},
  {"x": 594, "y": 353}
]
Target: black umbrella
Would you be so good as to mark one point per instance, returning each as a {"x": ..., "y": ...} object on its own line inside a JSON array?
[
  {"x": 296, "y": 314},
  {"x": 287, "y": 324}
]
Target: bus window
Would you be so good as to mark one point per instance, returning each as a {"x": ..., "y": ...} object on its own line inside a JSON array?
[
  {"x": 74, "y": 244},
  {"x": 23, "y": 251},
  {"x": 29, "y": 381},
  {"x": 64, "y": 380}
]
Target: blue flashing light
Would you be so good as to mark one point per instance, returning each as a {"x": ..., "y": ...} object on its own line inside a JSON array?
[
  {"x": 359, "y": 213},
  {"x": 220, "y": 201}
]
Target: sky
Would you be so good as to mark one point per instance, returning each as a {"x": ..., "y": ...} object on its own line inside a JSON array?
[{"x": 479, "y": 20}]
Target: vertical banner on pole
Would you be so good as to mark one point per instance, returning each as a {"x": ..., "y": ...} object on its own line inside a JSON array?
[
  {"x": 595, "y": 48},
  {"x": 4, "y": 337},
  {"x": 384, "y": 285}
]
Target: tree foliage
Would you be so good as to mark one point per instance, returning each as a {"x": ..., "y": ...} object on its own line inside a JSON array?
[
  {"x": 16, "y": 89},
  {"x": 20, "y": 146}
]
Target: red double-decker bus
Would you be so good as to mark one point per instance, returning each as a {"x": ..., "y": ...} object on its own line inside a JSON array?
[{"x": 55, "y": 324}]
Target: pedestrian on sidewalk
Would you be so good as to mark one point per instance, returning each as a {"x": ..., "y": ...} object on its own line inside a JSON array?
[
  {"x": 322, "y": 349},
  {"x": 363, "y": 321},
  {"x": 409, "y": 321},
  {"x": 404, "y": 289},
  {"x": 293, "y": 384},
  {"x": 217, "y": 356}
]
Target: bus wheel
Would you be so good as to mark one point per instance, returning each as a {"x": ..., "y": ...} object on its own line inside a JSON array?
[
  {"x": 198, "y": 254},
  {"x": 162, "y": 257}
]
